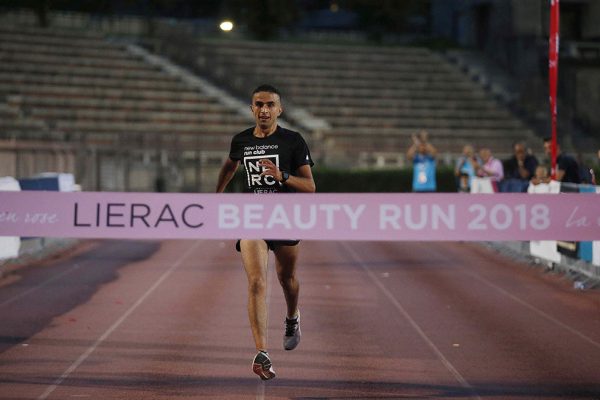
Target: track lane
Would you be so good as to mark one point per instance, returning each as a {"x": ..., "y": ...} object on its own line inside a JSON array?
[
  {"x": 190, "y": 336},
  {"x": 498, "y": 344}
]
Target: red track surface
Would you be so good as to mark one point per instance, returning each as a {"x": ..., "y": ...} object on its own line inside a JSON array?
[{"x": 143, "y": 320}]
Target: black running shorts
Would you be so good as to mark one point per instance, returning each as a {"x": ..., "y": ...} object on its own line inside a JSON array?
[{"x": 273, "y": 244}]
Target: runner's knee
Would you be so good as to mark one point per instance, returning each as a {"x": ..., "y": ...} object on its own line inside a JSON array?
[
  {"x": 286, "y": 279},
  {"x": 257, "y": 286}
]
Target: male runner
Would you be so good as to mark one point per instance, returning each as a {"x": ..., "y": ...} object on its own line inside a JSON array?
[{"x": 275, "y": 160}]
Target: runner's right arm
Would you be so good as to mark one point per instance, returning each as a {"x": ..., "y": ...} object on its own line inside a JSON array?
[{"x": 227, "y": 171}]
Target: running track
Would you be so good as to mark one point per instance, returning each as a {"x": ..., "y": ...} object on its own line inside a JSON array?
[{"x": 167, "y": 320}]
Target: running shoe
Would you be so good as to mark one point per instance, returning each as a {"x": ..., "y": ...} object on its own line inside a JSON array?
[
  {"x": 261, "y": 366},
  {"x": 292, "y": 333}
]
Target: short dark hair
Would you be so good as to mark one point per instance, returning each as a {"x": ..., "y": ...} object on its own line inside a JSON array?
[
  {"x": 266, "y": 88},
  {"x": 549, "y": 139}
]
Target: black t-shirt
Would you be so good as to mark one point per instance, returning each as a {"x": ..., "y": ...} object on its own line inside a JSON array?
[
  {"x": 511, "y": 167},
  {"x": 571, "y": 168},
  {"x": 287, "y": 149}
]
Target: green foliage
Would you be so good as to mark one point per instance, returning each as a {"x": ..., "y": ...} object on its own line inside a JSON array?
[
  {"x": 364, "y": 181},
  {"x": 376, "y": 181}
]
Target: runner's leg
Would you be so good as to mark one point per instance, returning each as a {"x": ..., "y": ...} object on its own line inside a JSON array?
[
  {"x": 255, "y": 254},
  {"x": 285, "y": 262}
]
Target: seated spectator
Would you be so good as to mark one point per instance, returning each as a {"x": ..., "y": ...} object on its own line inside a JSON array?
[
  {"x": 518, "y": 169},
  {"x": 464, "y": 183},
  {"x": 541, "y": 182},
  {"x": 586, "y": 173},
  {"x": 490, "y": 166},
  {"x": 422, "y": 154},
  {"x": 541, "y": 175},
  {"x": 521, "y": 165},
  {"x": 464, "y": 165},
  {"x": 567, "y": 169}
]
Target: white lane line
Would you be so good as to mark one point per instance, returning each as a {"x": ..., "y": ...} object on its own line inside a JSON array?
[
  {"x": 41, "y": 285},
  {"x": 457, "y": 375},
  {"x": 260, "y": 391},
  {"x": 534, "y": 309},
  {"x": 117, "y": 323}
]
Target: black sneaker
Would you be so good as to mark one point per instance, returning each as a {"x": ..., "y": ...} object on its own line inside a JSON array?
[
  {"x": 292, "y": 333},
  {"x": 261, "y": 366}
]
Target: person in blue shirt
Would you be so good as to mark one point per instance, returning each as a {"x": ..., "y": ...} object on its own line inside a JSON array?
[
  {"x": 465, "y": 166},
  {"x": 422, "y": 154}
]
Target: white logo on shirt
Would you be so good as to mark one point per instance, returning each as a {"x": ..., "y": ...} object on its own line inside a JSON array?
[{"x": 253, "y": 170}]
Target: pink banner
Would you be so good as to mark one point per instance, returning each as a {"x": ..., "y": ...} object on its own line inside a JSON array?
[{"x": 348, "y": 216}]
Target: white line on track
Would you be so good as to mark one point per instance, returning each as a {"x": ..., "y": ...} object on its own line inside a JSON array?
[
  {"x": 117, "y": 323},
  {"x": 41, "y": 285},
  {"x": 260, "y": 390},
  {"x": 457, "y": 375},
  {"x": 534, "y": 309}
]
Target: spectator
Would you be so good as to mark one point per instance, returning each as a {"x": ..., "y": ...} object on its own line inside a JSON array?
[
  {"x": 464, "y": 165},
  {"x": 541, "y": 175},
  {"x": 521, "y": 165},
  {"x": 490, "y": 166},
  {"x": 518, "y": 169},
  {"x": 567, "y": 169},
  {"x": 422, "y": 153},
  {"x": 586, "y": 173},
  {"x": 541, "y": 182},
  {"x": 464, "y": 183}
]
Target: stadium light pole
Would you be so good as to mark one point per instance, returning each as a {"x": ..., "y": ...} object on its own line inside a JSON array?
[{"x": 554, "y": 42}]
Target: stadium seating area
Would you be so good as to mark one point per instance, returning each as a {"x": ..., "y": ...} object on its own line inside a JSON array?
[
  {"x": 65, "y": 86},
  {"x": 374, "y": 98},
  {"x": 78, "y": 88}
]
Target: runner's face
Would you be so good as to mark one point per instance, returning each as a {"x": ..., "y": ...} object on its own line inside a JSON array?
[{"x": 266, "y": 108}]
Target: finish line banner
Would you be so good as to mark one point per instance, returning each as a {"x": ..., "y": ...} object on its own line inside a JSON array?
[{"x": 346, "y": 216}]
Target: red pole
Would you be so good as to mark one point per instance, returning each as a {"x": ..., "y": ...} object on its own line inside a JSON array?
[{"x": 553, "y": 74}]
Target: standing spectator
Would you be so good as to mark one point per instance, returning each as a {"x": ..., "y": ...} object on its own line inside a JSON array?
[
  {"x": 519, "y": 169},
  {"x": 567, "y": 169},
  {"x": 422, "y": 153},
  {"x": 464, "y": 166},
  {"x": 490, "y": 166}
]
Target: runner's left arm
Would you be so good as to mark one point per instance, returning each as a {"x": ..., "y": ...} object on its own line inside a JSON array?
[{"x": 301, "y": 181}]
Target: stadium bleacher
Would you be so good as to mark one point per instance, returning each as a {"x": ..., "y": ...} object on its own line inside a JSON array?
[
  {"x": 374, "y": 98},
  {"x": 68, "y": 86},
  {"x": 71, "y": 85}
]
